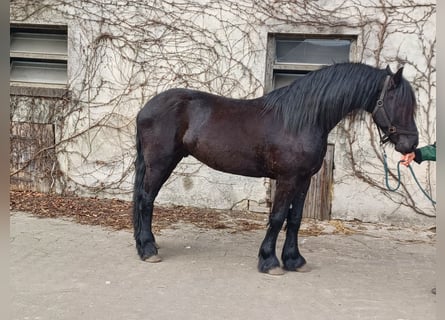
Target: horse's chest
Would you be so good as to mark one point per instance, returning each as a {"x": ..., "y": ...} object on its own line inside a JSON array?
[{"x": 296, "y": 157}]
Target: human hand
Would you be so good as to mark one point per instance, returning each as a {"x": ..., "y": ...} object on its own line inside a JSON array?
[{"x": 408, "y": 158}]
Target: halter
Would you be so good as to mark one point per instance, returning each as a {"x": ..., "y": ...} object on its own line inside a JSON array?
[{"x": 379, "y": 107}]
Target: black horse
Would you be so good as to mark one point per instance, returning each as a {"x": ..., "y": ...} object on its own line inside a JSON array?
[{"x": 282, "y": 135}]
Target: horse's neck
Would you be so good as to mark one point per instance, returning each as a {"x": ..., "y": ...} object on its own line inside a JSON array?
[{"x": 335, "y": 117}]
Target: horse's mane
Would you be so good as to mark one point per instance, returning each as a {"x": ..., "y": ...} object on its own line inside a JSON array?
[{"x": 325, "y": 96}]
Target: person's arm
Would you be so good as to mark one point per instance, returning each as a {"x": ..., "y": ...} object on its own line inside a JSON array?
[
  {"x": 420, "y": 154},
  {"x": 426, "y": 153}
]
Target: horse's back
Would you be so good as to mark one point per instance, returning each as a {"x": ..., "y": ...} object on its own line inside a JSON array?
[
  {"x": 165, "y": 102},
  {"x": 195, "y": 107}
]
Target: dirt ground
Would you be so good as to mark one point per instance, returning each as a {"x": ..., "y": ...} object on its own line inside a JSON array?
[
  {"x": 358, "y": 270},
  {"x": 60, "y": 269}
]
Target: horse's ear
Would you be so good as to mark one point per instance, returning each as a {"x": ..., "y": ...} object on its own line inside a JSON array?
[
  {"x": 397, "y": 78},
  {"x": 388, "y": 69}
]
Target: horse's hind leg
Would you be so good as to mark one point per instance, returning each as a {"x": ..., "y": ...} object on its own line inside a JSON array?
[
  {"x": 156, "y": 173},
  {"x": 291, "y": 257},
  {"x": 145, "y": 241}
]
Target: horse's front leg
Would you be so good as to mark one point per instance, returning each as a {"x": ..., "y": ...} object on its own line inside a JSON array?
[
  {"x": 268, "y": 261},
  {"x": 291, "y": 257}
]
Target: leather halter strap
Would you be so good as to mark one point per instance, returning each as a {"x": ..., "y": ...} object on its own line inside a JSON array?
[{"x": 379, "y": 107}]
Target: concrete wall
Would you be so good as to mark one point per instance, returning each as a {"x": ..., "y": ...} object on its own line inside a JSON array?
[{"x": 121, "y": 53}]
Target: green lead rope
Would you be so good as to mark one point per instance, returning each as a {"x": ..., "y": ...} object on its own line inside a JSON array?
[{"x": 385, "y": 164}]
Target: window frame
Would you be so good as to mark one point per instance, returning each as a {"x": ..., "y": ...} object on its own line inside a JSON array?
[{"x": 288, "y": 67}]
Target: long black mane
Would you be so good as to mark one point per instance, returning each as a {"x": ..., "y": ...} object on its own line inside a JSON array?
[{"x": 323, "y": 97}]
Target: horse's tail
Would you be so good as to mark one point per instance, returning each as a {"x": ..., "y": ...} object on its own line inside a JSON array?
[{"x": 138, "y": 190}]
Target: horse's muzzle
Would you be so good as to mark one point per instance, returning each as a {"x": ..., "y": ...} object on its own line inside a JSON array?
[{"x": 406, "y": 146}]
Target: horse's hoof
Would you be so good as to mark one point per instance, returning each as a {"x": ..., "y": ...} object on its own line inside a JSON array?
[
  {"x": 277, "y": 271},
  {"x": 153, "y": 259},
  {"x": 303, "y": 268}
]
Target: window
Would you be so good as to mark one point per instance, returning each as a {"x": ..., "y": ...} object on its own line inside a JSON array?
[
  {"x": 292, "y": 56},
  {"x": 38, "y": 56}
]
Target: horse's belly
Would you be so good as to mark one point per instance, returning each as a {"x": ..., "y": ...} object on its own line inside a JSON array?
[{"x": 227, "y": 154}]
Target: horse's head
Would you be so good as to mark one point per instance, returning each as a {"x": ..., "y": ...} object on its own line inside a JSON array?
[{"x": 394, "y": 113}]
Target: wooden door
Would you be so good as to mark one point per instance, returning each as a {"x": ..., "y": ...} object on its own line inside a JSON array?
[{"x": 33, "y": 164}]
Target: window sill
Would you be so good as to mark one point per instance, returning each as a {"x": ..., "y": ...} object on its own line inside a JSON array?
[{"x": 38, "y": 89}]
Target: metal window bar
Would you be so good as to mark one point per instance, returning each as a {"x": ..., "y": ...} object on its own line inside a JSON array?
[
  {"x": 38, "y": 56},
  {"x": 38, "y": 72},
  {"x": 35, "y": 45}
]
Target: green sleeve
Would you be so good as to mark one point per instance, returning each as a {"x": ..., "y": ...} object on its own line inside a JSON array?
[{"x": 426, "y": 153}]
